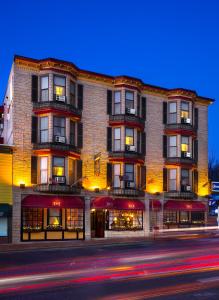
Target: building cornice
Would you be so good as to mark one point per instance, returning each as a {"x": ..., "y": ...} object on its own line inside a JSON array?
[{"x": 113, "y": 81}]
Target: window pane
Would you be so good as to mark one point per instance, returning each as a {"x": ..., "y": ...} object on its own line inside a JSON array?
[
  {"x": 44, "y": 95},
  {"x": 172, "y": 107},
  {"x": 129, "y": 95},
  {"x": 43, "y": 163},
  {"x": 129, "y": 168},
  {"x": 172, "y": 152},
  {"x": 60, "y": 91},
  {"x": 72, "y": 88},
  {"x": 44, "y": 123},
  {"x": 43, "y": 176},
  {"x": 59, "y": 161},
  {"x": 59, "y": 122},
  {"x": 117, "y": 145},
  {"x": 44, "y": 137},
  {"x": 59, "y": 131},
  {"x": 117, "y": 108},
  {"x": 117, "y": 169},
  {"x": 172, "y": 118},
  {"x": 185, "y": 106},
  {"x": 117, "y": 133},
  {"x": 59, "y": 81},
  {"x": 172, "y": 173},
  {"x": 117, "y": 97},
  {"x": 44, "y": 82},
  {"x": 172, "y": 140},
  {"x": 3, "y": 226}
]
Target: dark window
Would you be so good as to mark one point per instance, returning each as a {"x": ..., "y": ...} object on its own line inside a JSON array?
[
  {"x": 32, "y": 218},
  {"x": 74, "y": 219},
  {"x": 170, "y": 217},
  {"x": 58, "y": 168},
  {"x": 72, "y": 133},
  {"x": 72, "y": 93},
  {"x": 44, "y": 88},
  {"x": 184, "y": 177},
  {"x": 117, "y": 102},
  {"x": 59, "y": 85},
  {"x": 183, "y": 217},
  {"x": 197, "y": 217},
  {"x": 54, "y": 217},
  {"x": 59, "y": 126},
  {"x": 129, "y": 172},
  {"x": 44, "y": 130},
  {"x": 129, "y": 100}
]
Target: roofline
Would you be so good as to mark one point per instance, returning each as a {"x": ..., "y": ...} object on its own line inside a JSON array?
[{"x": 191, "y": 93}]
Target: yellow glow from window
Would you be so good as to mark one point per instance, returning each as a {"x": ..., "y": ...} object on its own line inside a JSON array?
[
  {"x": 129, "y": 140},
  {"x": 58, "y": 171},
  {"x": 59, "y": 90},
  {"x": 56, "y": 221},
  {"x": 184, "y": 147},
  {"x": 153, "y": 189},
  {"x": 185, "y": 114}
]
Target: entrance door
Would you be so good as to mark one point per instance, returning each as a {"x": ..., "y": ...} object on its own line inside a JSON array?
[{"x": 100, "y": 224}]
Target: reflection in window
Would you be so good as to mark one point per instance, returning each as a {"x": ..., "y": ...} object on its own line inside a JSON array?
[
  {"x": 125, "y": 220},
  {"x": 59, "y": 85},
  {"x": 74, "y": 219}
]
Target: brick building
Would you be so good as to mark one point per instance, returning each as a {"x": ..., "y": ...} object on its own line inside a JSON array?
[{"x": 102, "y": 156}]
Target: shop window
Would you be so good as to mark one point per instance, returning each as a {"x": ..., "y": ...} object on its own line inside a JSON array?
[
  {"x": 172, "y": 179},
  {"x": 117, "y": 102},
  {"x": 184, "y": 110},
  {"x": 54, "y": 218},
  {"x": 116, "y": 175},
  {"x": 125, "y": 220},
  {"x": 72, "y": 93},
  {"x": 59, "y": 86},
  {"x": 197, "y": 217},
  {"x": 184, "y": 217},
  {"x": 172, "y": 146},
  {"x": 44, "y": 88},
  {"x": 172, "y": 113},
  {"x": 129, "y": 136},
  {"x": 58, "y": 166},
  {"x": 3, "y": 227},
  {"x": 44, "y": 130},
  {"x": 185, "y": 144},
  {"x": 74, "y": 219},
  {"x": 59, "y": 127},
  {"x": 129, "y": 100},
  {"x": 44, "y": 169},
  {"x": 117, "y": 139},
  {"x": 170, "y": 217},
  {"x": 32, "y": 219}
]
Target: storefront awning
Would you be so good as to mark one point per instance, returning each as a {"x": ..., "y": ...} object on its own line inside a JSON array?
[
  {"x": 117, "y": 203},
  {"x": 5, "y": 210},
  {"x": 43, "y": 201},
  {"x": 184, "y": 205},
  {"x": 155, "y": 204}
]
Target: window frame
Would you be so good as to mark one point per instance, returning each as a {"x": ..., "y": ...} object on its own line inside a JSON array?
[
  {"x": 172, "y": 147},
  {"x": 172, "y": 179},
  {"x": 170, "y": 113},
  {"x": 59, "y": 216},
  {"x": 44, "y": 170},
  {"x": 44, "y": 76},
  {"x": 43, "y": 130},
  {"x": 33, "y": 210},
  {"x": 133, "y": 130},
  {"x": 54, "y": 135},
  {"x": 54, "y": 85},
  {"x": 128, "y": 100},
  {"x": 80, "y": 218},
  {"x": 132, "y": 173},
  {"x": 117, "y": 103},
  {"x": 116, "y": 139},
  {"x": 72, "y": 102},
  {"x": 53, "y": 166}
]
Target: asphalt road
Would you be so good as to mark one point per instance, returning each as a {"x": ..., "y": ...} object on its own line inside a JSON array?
[{"x": 165, "y": 269}]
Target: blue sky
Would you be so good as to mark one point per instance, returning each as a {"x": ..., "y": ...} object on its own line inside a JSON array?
[{"x": 171, "y": 43}]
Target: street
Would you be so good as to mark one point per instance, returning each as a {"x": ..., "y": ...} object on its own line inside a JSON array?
[{"x": 181, "y": 268}]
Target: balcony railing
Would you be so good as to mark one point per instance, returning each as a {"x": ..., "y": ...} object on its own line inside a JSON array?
[
  {"x": 184, "y": 195},
  {"x": 56, "y": 146},
  {"x": 56, "y": 188},
  {"x": 57, "y": 105},
  {"x": 180, "y": 160},
  {"x": 127, "y": 192},
  {"x": 126, "y": 154},
  {"x": 127, "y": 118},
  {"x": 180, "y": 126}
]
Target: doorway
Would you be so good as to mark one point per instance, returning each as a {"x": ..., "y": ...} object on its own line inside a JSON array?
[{"x": 98, "y": 223}]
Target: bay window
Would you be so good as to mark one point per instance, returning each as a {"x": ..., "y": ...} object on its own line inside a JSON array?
[
  {"x": 58, "y": 168},
  {"x": 116, "y": 175},
  {"x": 117, "y": 102},
  {"x": 44, "y": 88},
  {"x": 129, "y": 136},
  {"x": 184, "y": 110},
  {"x": 184, "y": 179},
  {"x": 44, "y": 130},
  {"x": 59, "y": 127},
  {"x": 172, "y": 146},
  {"x": 129, "y": 172},
  {"x": 172, "y": 113},
  {"x": 59, "y": 85},
  {"x": 117, "y": 139},
  {"x": 129, "y": 100},
  {"x": 185, "y": 144},
  {"x": 172, "y": 180},
  {"x": 44, "y": 170}
]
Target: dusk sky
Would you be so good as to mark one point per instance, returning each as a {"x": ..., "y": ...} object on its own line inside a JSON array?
[{"x": 169, "y": 43}]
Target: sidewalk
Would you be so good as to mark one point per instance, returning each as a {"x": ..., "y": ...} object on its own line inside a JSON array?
[{"x": 166, "y": 235}]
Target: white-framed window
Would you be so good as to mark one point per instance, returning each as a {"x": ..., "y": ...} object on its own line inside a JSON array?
[
  {"x": 185, "y": 144},
  {"x": 172, "y": 113},
  {"x": 44, "y": 169},
  {"x": 117, "y": 139},
  {"x": 116, "y": 175},
  {"x": 59, "y": 85},
  {"x": 172, "y": 179},
  {"x": 44, "y": 88},
  {"x": 129, "y": 136},
  {"x": 172, "y": 146},
  {"x": 129, "y": 172},
  {"x": 117, "y": 102},
  {"x": 129, "y": 99},
  {"x": 185, "y": 110},
  {"x": 184, "y": 177},
  {"x": 44, "y": 129}
]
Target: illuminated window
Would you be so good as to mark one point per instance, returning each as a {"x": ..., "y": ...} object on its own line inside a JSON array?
[
  {"x": 117, "y": 139},
  {"x": 173, "y": 146},
  {"x": 185, "y": 144},
  {"x": 54, "y": 217},
  {"x": 183, "y": 216},
  {"x": 129, "y": 136},
  {"x": 58, "y": 166},
  {"x": 129, "y": 99},
  {"x": 71, "y": 170},
  {"x": 125, "y": 220},
  {"x": 170, "y": 217},
  {"x": 32, "y": 219},
  {"x": 44, "y": 88},
  {"x": 74, "y": 219},
  {"x": 59, "y": 126},
  {"x": 172, "y": 179},
  {"x": 117, "y": 102},
  {"x": 184, "y": 110},
  {"x": 72, "y": 93},
  {"x": 43, "y": 169},
  {"x": 116, "y": 175},
  {"x": 59, "y": 85},
  {"x": 44, "y": 129},
  {"x": 172, "y": 113}
]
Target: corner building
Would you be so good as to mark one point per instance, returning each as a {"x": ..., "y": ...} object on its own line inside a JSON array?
[{"x": 102, "y": 156}]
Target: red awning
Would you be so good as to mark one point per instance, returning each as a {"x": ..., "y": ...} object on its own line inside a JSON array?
[
  {"x": 117, "y": 203},
  {"x": 185, "y": 205},
  {"x": 43, "y": 201},
  {"x": 155, "y": 204}
]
